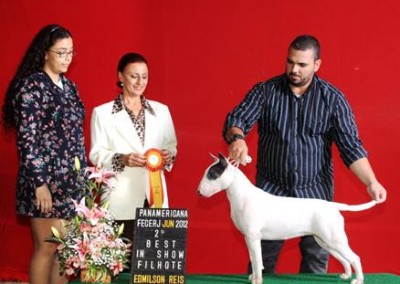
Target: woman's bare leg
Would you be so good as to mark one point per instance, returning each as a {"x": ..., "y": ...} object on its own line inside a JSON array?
[{"x": 44, "y": 262}]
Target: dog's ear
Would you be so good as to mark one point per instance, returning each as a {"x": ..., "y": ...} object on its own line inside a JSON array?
[
  {"x": 223, "y": 160},
  {"x": 214, "y": 157}
]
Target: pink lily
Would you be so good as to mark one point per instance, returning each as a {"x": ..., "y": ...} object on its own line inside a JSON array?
[
  {"x": 117, "y": 267},
  {"x": 92, "y": 215},
  {"x": 100, "y": 174},
  {"x": 83, "y": 247}
]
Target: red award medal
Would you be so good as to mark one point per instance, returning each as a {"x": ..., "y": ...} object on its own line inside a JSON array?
[
  {"x": 154, "y": 160},
  {"x": 155, "y": 163}
]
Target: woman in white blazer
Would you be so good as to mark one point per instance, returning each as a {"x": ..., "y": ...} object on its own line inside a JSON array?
[{"x": 122, "y": 131}]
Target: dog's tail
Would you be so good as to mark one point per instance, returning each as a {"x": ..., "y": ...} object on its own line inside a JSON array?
[{"x": 360, "y": 207}]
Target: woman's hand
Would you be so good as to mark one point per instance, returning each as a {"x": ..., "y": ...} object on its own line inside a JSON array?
[
  {"x": 43, "y": 199},
  {"x": 167, "y": 156},
  {"x": 134, "y": 160}
]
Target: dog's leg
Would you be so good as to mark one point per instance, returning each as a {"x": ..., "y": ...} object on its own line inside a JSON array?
[
  {"x": 254, "y": 248},
  {"x": 346, "y": 265},
  {"x": 356, "y": 263},
  {"x": 334, "y": 237},
  {"x": 345, "y": 252}
]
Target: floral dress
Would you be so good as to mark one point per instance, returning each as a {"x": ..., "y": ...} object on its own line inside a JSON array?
[{"x": 49, "y": 136}]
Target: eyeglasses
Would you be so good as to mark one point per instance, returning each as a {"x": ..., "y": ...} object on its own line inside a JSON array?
[{"x": 64, "y": 54}]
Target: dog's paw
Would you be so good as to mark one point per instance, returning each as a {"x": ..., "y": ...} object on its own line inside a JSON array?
[
  {"x": 254, "y": 280},
  {"x": 357, "y": 281},
  {"x": 345, "y": 276},
  {"x": 257, "y": 281}
]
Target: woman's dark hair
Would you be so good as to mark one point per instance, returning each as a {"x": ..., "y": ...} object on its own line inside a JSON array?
[
  {"x": 32, "y": 62},
  {"x": 129, "y": 58}
]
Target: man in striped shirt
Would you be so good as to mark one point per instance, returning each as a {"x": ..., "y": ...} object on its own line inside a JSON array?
[{"x": 299, "y": 117}]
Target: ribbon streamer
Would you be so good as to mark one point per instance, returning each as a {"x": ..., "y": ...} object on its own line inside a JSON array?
[{"x": 155, "y": 163}]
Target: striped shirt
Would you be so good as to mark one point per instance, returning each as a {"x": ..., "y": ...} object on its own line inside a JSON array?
[{"x": 296, "y": 135}]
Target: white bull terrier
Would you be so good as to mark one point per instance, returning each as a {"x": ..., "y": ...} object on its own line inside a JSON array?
[{"x": 263, "y": 216}]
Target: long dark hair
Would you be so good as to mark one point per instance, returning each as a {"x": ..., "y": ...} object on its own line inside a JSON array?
[
  {"x": 32, "y": 62},
  {"x": 129, "y": 58}
]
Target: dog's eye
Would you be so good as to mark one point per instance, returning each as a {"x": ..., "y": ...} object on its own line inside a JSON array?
[{"x": 212, "y": 174}]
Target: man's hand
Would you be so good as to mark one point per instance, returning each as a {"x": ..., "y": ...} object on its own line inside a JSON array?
[
  {"x": 238, "y": 151},
  {"x": 377, "y": 192},
  {"x": 363, "y": 170}
]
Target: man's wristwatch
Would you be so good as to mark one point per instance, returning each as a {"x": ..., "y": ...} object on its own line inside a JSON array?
[{"x": 235, "y": 137}]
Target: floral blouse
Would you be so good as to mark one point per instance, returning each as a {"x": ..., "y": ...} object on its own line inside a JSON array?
[{"x": 49, "y": 136}]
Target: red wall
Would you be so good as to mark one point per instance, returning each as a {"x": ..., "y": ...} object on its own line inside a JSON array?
[{"x": 203, "y": 57}]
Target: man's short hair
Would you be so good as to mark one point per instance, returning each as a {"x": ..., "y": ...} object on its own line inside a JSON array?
[{"x": 304, "y": 42}]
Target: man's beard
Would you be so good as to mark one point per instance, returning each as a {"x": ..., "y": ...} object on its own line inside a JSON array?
[{"x": 301, "y": 82}]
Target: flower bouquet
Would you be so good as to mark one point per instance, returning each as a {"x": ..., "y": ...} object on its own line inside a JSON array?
[{"x": 91, "y": 242}]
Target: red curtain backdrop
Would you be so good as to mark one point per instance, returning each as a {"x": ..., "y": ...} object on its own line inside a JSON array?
[{"x": 203, "y": 57}]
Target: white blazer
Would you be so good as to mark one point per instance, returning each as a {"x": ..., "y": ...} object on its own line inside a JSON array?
[{"x": 115, "y": 133}]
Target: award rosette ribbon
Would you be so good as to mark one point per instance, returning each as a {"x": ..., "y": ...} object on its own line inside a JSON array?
[{"x": 155, "y": 163}]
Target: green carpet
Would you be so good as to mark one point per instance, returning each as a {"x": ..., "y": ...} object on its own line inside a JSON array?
[
  {"x": 381, "y": 278},
  {"x": 291, "y": 279}
]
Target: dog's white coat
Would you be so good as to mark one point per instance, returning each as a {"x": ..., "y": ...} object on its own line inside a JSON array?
[{"x": 262, "y": 216}]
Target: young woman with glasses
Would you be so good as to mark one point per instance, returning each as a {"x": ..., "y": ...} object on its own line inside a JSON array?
[{"x": 44, "y": 109}]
